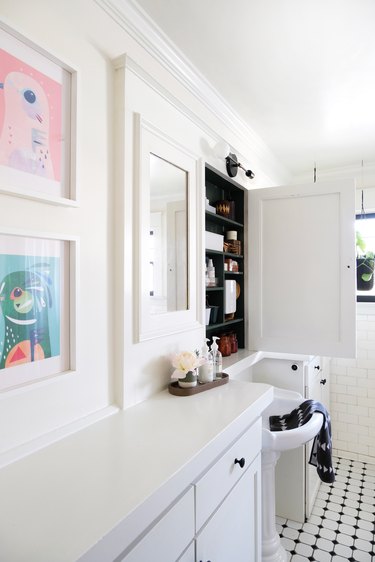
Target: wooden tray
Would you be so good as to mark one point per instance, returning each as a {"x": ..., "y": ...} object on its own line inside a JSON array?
[{"x": 179, "y": 391}]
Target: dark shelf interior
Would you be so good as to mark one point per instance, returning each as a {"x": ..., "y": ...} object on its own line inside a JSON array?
[
  {"x": 218, "y": 188},
  {"x": 222, "y": 220}
]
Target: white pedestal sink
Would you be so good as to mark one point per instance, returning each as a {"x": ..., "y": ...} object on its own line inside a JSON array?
[{"x": 273, "y": 442}]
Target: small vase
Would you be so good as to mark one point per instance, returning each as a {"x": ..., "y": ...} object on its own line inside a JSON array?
[{"x": 189, "y": 380}]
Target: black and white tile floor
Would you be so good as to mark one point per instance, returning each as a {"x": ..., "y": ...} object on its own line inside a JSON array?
[{"x": 341, "y": 527}]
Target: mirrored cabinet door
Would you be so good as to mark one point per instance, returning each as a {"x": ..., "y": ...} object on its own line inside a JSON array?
[
  {"x": 168, "y": 242},
  {"x": 167, "y": 235}
]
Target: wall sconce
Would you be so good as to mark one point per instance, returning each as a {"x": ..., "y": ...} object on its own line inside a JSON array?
[{"x": 233, "y": 165}]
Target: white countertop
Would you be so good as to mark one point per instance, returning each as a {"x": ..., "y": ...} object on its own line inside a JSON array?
[{"x": 59, "y": 502}]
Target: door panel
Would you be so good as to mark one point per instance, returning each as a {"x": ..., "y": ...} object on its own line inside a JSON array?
[
  {"x": 302, "y": 269},
  {"x": 234, "y": 532}
]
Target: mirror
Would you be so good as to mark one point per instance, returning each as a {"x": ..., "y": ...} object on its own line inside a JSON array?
[{"x": 168, "y": 246}]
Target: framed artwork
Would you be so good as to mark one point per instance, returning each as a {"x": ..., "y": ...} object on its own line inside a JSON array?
[
  {"x": 37, "y": 122},
  {"x": 37, "y": 319}
]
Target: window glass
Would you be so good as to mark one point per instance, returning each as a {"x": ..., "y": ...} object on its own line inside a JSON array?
[{"x": 365, "y": 250}]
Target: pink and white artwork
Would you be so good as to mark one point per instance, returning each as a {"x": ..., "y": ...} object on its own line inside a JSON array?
[{"x": 30, "y": 119}]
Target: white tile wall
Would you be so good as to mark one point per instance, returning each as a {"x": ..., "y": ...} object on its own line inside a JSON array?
[{"x": 352, "y": 405}]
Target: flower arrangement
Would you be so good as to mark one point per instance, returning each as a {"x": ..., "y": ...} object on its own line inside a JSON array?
[{"x": 184, "y": 363}]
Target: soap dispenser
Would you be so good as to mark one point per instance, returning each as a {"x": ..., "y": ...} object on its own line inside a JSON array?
[
  {"x": 206, "y": 371},
  {"x": 217, "y": 359}
]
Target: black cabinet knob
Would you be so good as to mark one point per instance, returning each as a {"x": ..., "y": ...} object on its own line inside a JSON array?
[
  {"x": 241, "y": 462},
  {"x": 323, "y": 381},
  {"x": 317, "y": 367},
  {"x": 294, "y": 367}
]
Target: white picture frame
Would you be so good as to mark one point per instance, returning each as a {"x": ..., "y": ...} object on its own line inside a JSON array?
[
  {"x": 38, "y": 122},
  {"x": 38, "y": 307}
]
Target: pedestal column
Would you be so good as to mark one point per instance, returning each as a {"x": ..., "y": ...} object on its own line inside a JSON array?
[{"x": 272, "y": 550}]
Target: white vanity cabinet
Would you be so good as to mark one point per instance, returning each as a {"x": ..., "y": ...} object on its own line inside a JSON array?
[
  {"x": 226, "y": 512},
  {"x": 170, "y": 536},
  {"x": 233, "y": 532},
  {"x": 317, "y": 388},
  {"x": 156, "y": 482},
  {"x": 228, "y": 503},
  {"x": 317, "y": 384}
]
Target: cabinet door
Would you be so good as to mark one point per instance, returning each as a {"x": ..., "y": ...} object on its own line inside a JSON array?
[
  {"x": 302, "y": 269},
  {"x": 233, "y": 532},
  {"x": 170, "y": 536},
  {"x": 315, "y": 390}
]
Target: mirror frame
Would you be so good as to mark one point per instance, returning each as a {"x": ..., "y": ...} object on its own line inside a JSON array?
[{"x": 150, "y": 140}]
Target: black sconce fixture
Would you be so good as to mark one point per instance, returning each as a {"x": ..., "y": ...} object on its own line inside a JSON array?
[{"x": 233, "y": 165}]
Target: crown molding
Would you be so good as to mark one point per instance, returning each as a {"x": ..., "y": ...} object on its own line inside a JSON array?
[{"x": 134, "y": 20}]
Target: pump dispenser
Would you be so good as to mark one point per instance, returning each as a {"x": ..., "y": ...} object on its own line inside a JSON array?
[
  {"x": 206, "y": 371},
  {"x": 211, "y": 273},
  {"x": 217, "y": 359}
]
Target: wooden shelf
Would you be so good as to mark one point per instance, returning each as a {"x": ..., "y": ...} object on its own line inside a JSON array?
[
  {"x": 214, "y": 217},
  {"x": 225, "y": 254},
  {"x": 221, "y": 325}
]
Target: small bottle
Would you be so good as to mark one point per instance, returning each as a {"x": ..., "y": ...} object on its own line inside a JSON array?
[
  {"x": 225, "y": 346},
  {"x": 211, "y": 273},
  {"x": 217, "y": 359},
  {"x": 234, "y": 342},
  {"x": 206, "y": 371}
]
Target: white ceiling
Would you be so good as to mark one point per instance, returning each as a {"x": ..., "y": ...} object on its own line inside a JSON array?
[{"x": 301, "y": 73}]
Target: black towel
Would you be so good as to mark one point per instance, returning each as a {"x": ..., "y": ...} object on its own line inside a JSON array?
[{"x": 321, "y": 452}]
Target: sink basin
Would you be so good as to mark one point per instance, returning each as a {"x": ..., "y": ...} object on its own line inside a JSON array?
[{"x": 283, "y": 403}]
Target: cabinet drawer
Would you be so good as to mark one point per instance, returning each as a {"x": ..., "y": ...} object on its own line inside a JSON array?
[
  {"x": 213, "y": 487},
  {"x": 169, "y": 537}
]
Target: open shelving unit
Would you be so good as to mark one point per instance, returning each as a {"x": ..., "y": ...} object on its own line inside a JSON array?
[{"x": 218, "y": 188}]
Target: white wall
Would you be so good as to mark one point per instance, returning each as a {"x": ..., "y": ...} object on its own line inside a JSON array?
[
  {"x": 35, "y": 409},
  {"x": 353, "y": 381},
  {"x": 353, "y": 393},
  {"x": 109, "y": 370}
]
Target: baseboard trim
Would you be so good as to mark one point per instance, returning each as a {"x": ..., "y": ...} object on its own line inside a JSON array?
[{"x": 353, "y": 456}]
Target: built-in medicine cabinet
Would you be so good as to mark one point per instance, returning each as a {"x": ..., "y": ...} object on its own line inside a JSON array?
[
  {"x": 166, "y": 248},
  {"x": 298, "y": 241}
]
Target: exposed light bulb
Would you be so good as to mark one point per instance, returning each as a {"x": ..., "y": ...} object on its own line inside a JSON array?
[{"x": 221, "y": 149}]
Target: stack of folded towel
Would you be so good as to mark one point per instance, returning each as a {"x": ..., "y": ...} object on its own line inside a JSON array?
[{"x": 321, "y": 453}]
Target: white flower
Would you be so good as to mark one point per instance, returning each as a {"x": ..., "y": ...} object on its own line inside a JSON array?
[{"x": 184, "y": 362}]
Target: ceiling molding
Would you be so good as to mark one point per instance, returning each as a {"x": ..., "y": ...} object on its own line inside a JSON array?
[{"x": 134, "y": 20}]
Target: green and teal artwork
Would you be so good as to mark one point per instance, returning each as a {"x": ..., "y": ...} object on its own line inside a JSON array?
[{"x": 30, "y": 309}]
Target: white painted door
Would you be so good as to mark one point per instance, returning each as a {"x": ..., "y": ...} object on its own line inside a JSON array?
[{"x": 302, "y": 269}]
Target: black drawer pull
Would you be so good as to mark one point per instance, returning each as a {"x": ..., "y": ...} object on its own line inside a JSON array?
[
  {"x": 317, "y": 367},
  {"x": 323, "y": 381},
  {"x": 241, "y": 462}
]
